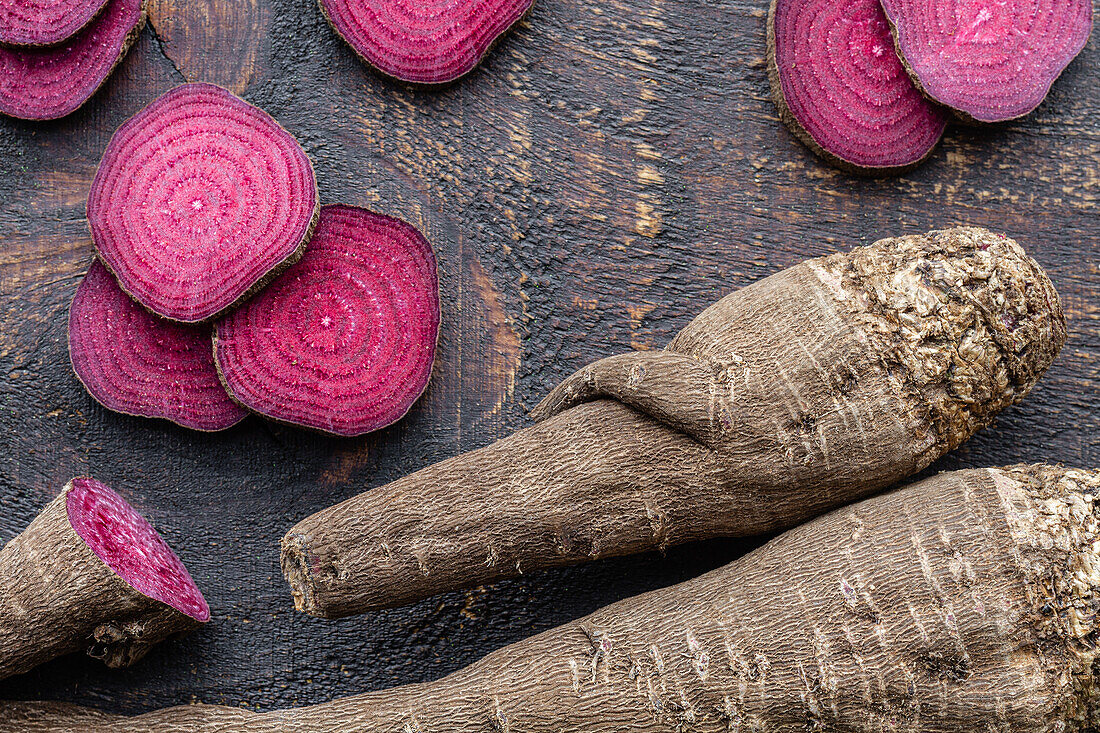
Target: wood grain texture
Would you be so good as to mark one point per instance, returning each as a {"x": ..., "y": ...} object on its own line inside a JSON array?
[{"x": 610, "y": 169}]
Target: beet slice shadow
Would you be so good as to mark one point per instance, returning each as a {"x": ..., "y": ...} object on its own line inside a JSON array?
[
  {"x": 989, "y": 60},
  {"x": 344, "y": 341},
  {"x": 839, "y": 86},
  {"x": 44, "y": 22},
  {"x": 90, "y": 573},
  {"x": 49, "y": 83},
  {"x": 428, "y": 43},
  {"x": 199, "y": 201},
  {"x": 134, "y": 362}
]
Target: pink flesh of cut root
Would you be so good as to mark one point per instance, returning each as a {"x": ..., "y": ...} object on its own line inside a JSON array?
[
  {"x": 129, "y": 545},
  {"x": 429, "y": 42},
  {"x": 841, "y": 87},
  {"x": 344, "y": 341},
  {"x": 139, "y": 364},
  {"x": 200, "y": 199},
  {"x": 48, "y": 83},
  {"x": 44, "y": 22},
  {"x": 990, "y": 60}
]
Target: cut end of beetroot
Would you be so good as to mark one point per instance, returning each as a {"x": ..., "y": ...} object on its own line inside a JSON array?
[
  {"x": 44, "y": 22},
  {"x": 136, "y": 363},
  {"x": 426, "y": 43},
  {"x": 129, "y": 546},
  {"x": 990, "y": 60},
  {"x": 200, "y": 199},
  {"x": 344, "y": 341},
  {"x": 841, "y": 87},
  {"x": 48, "y": 83}
]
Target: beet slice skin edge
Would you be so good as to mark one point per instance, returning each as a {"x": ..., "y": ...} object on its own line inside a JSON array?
[
  {"x": 49, "y": 83},
  {"x": 134, "y": 362},
  {"x": 989, "y": 60},
  {"x": 425, "y": 42},
  {"x": 344, "y": 341},
  {"x": 841, "y": 88},
  {"x": 200, "y": 200},
  {"x": 44, "y": 22},
  {"x": 127, "y": 544}
]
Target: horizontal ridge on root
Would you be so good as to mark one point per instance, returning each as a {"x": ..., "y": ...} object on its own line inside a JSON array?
[
  {"x": 928, "y": 608},
  {"x": 804, "y": 391}
]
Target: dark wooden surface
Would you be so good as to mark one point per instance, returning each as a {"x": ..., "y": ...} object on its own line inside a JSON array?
[{"x": 612, "y": 168}]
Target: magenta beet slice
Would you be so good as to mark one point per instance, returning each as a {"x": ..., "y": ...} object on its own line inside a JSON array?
[
  {"x": 428, "y": 42},
  {"x": 136, "y": 363},
  {"x": 344, "y": 341},
  {"x": 44, "y": 22},
  {"x": 840, "y": 87},
  {"x": 990, "y": 60},
  {"x": 200, "y": 199},
  {"x": 129, "y": 545},
  {"x": 48, "y": 83}
]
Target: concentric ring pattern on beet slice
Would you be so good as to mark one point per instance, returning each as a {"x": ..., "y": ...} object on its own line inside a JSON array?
[
  {"x": 200, "y": 199},
  {"x": 48, "y": 83},
  {"x": 425, "y": 42},
  {"x": 130, "y": 546},
  {"x": 990, "y": 60},
  {"x": 343, "y": 342},
  {"x": 840, "y": 87},
  {"x": 136, "y": 363},
  {"x": 44, "y": 22}
]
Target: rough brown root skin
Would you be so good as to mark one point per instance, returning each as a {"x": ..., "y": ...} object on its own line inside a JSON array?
[
  {"x": 57, "y": 597},
  {"x": 964, "y": 602},
  {"x": 817, "y": 386}
]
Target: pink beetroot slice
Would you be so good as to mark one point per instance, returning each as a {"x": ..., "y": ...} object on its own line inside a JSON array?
[
  {"x": 48, "y": 83},
  {"x": 44, "y": 22},
  {"x": 129, "y": 545},
  {"x": 200, "y": 199},
  {"x": 990, "y": 60},
  {"x": 136, "y": 363},
  {"x": 423, "y": 41},
  {"x": 343, "y": 341},
  {"x": 840, "y": 87}
]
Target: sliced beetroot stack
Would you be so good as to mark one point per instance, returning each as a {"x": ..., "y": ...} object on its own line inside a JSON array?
[
  {"x": 431, "y": 42},
  {"x": 139, "y": 364},
  {"x": 840, "y": 87},
  {"x": 44, "y": 22},
  {"x": 200, "y": 199},
  {"x": 48, "y": 83},
  {"x": 344, "y": 341},
  {"x": 989, "y": 60}
]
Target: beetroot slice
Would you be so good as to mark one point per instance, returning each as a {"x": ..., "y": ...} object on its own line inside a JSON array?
[
  {"x": 990, "y": 60},
  {"x": 48, "y": 83},
  {"x": 344, "y": 341},
  {"x": 200, "y": 199},
  {"x": 44, "y": 22},
  {"x": 841, "y": 88},
  {"x": 425, "y": 42},
  {"x": 129, "y": 545},
  {"x": 136, "y": 363}
]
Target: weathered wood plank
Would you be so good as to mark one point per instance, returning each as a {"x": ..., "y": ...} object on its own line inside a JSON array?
[{"x": 610, "y": 169}]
